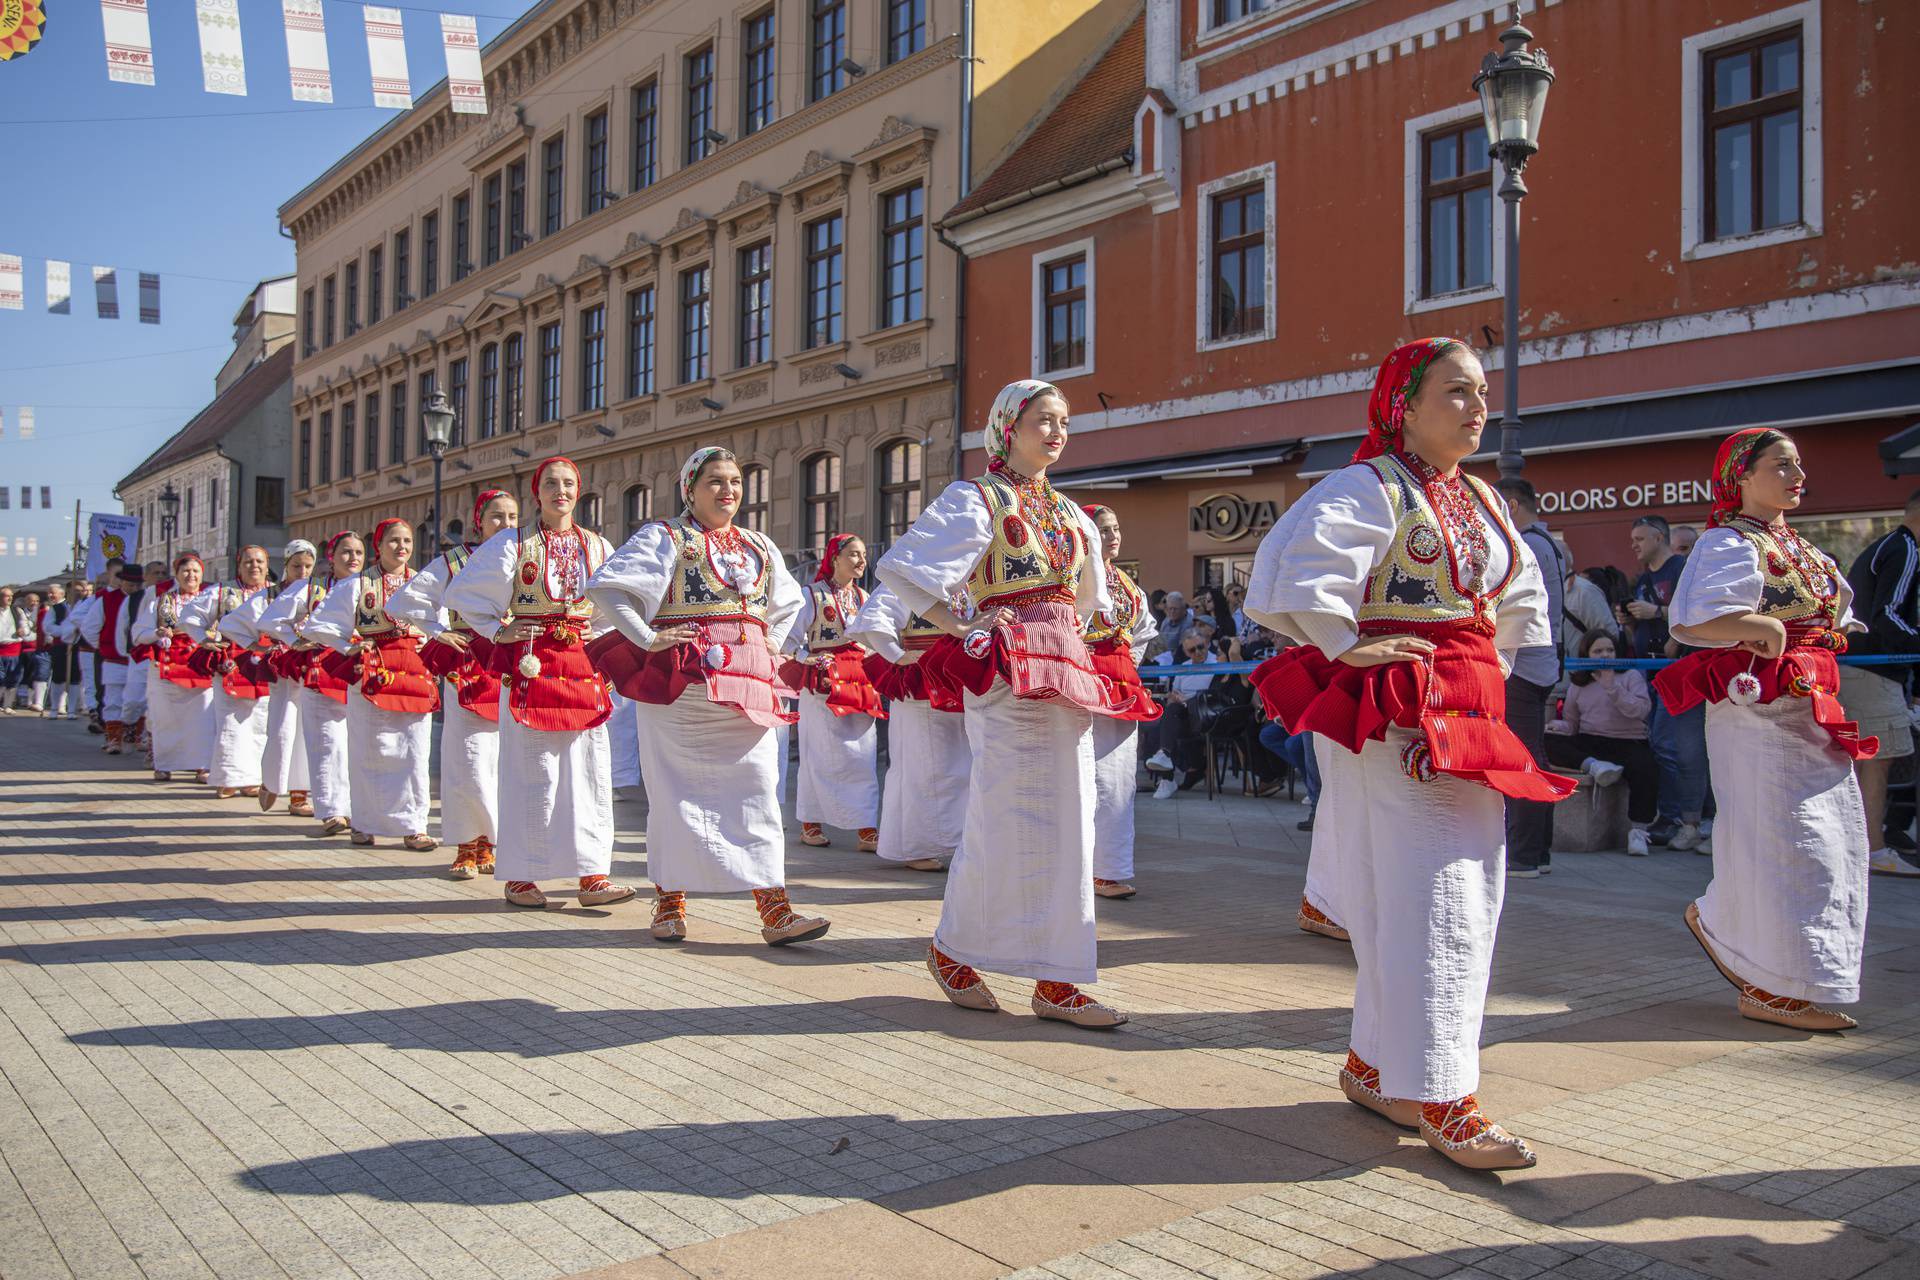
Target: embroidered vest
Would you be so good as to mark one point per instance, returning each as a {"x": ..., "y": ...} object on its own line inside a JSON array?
[
  {"x": 232, "y": 596},
  {"x": 1799, "y": 587},
  {"x": 1418, "y": 580},
  {"x": 828, "y": 630},
  {"x": 456, "y": 560},
  {"x": 1128, "y": 604},
  {"x": 540, "y": 590},
  {"x": 369, "y": 610},
  {"x": 919, "y": 634},
  {"x": 1023, "y": 564},
  {"x": 168, "y": 608},
  {"x": 698, "y": 593},
  {"x": 111, "y": 604}
]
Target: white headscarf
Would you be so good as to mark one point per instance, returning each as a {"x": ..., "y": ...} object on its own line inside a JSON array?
[
  {"x": 1007, "y": 408},
  {"x": 690, "y": 470},
  {"x": 297, "y": 547}
]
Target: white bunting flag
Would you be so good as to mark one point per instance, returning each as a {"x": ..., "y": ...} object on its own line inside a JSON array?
[
  {"x": 129, "y": 42},
  {"x": 3, "y": 424},
  {"x": 13, "y": 286},
  {"x": 149, "y": 298},
  {"x": 465, "y": 87},
  {"x": 387, "y": 57},
  {"x": 59, "y": 287},
  {"x": 106, "y": 293},
  {"x": 223, "y": 64},
  {"x": 3, "y": 546},
  {"x": 33, "y": 546},
  {"x": 307, "y": 50},
  {"x": 26, "y": 422},
  {"x": 19, "y": 546}
]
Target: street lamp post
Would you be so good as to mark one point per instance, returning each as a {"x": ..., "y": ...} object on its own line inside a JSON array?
[
  {"x": 169, "y": 514},
  {"x": 436, "y": 418},
  {"x": 1512, "y": 85}
]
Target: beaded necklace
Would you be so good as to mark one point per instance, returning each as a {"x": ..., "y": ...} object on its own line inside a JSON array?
[
  {"x": 727, "y": 551},
  {"x": 565, "y": 553},
  {"x": 1808, "y": 564},
  {"x": 1453, "y": 500},
  {"x": 1041, "y": 507}
]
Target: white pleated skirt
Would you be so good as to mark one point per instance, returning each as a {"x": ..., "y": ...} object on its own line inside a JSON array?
[
  {"x": 1319, "y": 890},
  {"x": 469, "y": 775},
  {"x": 713, "y": 811},
  {"x": 388, "y": 753},
  {"x": 135, "y": 691},
  {"x": 181, "y": 722},
  {"x": 925, "y": 806},
  {"x": 1787, "y": 908},
  {"x": 1116, "y": 761},
  {"x": 556, "y": 802},
  {"x": 323, "y": 730},
  {"x": 239, "y": 739},
  {"x": 623, "y": 740},
  {"x": 839, "y": 767},
  {"x": 283, "y": 758}
]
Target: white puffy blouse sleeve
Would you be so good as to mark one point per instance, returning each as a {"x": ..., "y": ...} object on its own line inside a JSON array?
[
  {"x": 482, "y": 592},
  {"x": 1311, "y": 570},
  {"x": 936, "y": 556},
  {"x": 145, "y": 627},
  {"x": 879, "y": 623},
  {"x": 785, "y": 595},
  {"x": 278, "y": 618},
  {"x": 796, "y": 639},
  {"x": 241, "y": 626},
  {"x": 196, "y": 615},
  {"x": 1721, "y": 578},
  {"x": 418, "y": 602},
  {"x": 1145, "y": 628},
  {"x": 1090, "y": 594},
  {"x": 1521, "y": 620},
  {"x": 629, "y": 586},
  {"x": 332, "y": 621},
  {"x": 88, "y": 619}
]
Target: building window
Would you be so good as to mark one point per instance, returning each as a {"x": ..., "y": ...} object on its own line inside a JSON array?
[
  {"x": 820, "y": 478},
  {"x": 1063, "y": 315},
  {"x": 587, "y": 512},
  {"x": 396, "y": 425},
  {"x": 1752, "y": 128},
  {"x": 826, "y": 280},
  {"x": 756, "y": 304},
  {"x": 828, "y": 48},
  {"x": 646, "y": 135},
  {"x": 462, "y": 236},
  {"x": 429, "y": 255},
  {"x": 457, "y": 399},
  {"x": 513, "y": 383},
  {"x": 696, "y": 324},
  {"x": 1239, "y": 255},
  {"x": 307, "y": 346},
  {"x": 489, "y": 391},
  {"x": 490, "y": 220},
  {"x": 353, "y": 298},
  {"x": 640, "y": 342},
  {"x": 549, "y": 373},
  {"x": 304, "y": 463},
  {"x": 188, "y": 526},
  {"x": 699, "y": 104},
  {"x": 593, "y": 358},
  {"x": 903, "y": 257},
  {"x": 269, "y": 500},
  {"x": 1225, "y": 11},
  {"x": 213, "y": 504},
  {"x": 347, "y": 425},
  {"x": 759, "y": 54},
  {"x": 429, "y": 383},
  {"x": 517, "y": 237},
  {"x": 553, "y": 170},
  {"x": 753, "y": 499},
  {"x": 371, "y": 461},
  {"x": 329, "y": 308},
  {"x": 326, "y": 446},
  {"x": 402, "y": 266},
  {"x": 597, "y": 194},
  {"x": 906, "y": 28},
  {"x": 375, "y": 284},
  {"x": 900, "y": 489},
  {"x": 636, "y": 508},
  {"x": 1456, "y": 210}
]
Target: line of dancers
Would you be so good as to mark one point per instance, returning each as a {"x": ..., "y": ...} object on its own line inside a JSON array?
[{"x": 999, "y": 645}]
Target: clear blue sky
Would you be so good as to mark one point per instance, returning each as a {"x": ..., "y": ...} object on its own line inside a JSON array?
[{"x": 169, "y": 179}]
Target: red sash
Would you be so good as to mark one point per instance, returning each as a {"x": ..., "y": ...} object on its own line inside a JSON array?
[
  {"x": 842, "y": 681},
  {"x": 176, "y": 663},
  {"x": 730, "y": 657},
  {"x": 1114, "y": 659},
  {"x": 1806, "y": 670},
  {"x": 244, "y": 673},
  {"x": 393, "y": 678},
  {"x": 1041, "y": 657},
  {"x": 567, "y": 695},
  {"x": 330, "y": 673},
  {"x": 469, "y": 670},
  {"x": 906, "y": 682}
]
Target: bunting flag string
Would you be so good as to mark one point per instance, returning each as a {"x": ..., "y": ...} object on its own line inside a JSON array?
[
  {"x": 307, "y": 50},
  {"x": 466, "y": 87},
  {"x": 387, "y": 57},
  {"x": 59, "y": 287},
  {"x": 149, "y": 298},
  {"x": 129, "y": 41},
  {"x": 106, "y": 293},
  {"x": 59, "y": 271},
  {"x": 26, "y": 422},
  {"x": 13, "y": 286},
  {"x": 223, "y": 64}
]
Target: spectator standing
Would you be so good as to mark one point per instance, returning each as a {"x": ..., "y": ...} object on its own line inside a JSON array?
[
  {"x": 1679, "y": 742},
  {"x": 1886, "y": 581},
  {"x": 1603, "y": 729},
  {"x": 1584, "y": 608},
  {"x": 1536, "y": 670},
  {"x": 1681, "y": 538},
  {"x": 1175, "y": 621}
]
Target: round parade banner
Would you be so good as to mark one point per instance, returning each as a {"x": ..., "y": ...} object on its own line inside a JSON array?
[{"x": 22, "y": 22}]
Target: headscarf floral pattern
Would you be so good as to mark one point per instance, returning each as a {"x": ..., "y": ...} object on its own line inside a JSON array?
[
  {"x": 1007, "y": 408},
  {"x": 835, "y": 545},
  {"x": 1394, "y": 387},
  {"x": 480, "y": 507},
  {"x": 1730, "y": 465},
  {"x": 690, "y": 469}
]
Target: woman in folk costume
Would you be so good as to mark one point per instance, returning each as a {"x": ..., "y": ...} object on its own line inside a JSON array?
[
  {"x": 527, "y": 595},
  {"x": 1113, "y": 638},
  {"x": 924, "y": 801},
  {"x": 283, "y": 755},
  {"x": 324, "y": 678},
  {"x": 1407, "y": 587},
  {"x": 179, "y": 698},
  {"x": 1019, "y": 895},
  {"x": 702, "y": 608},
  {"x": 390, "y": 705},
  {"x": 1784, "y": 919},
  {"x": 839, "y": 743},
  {"x": 229, "y": 656}
]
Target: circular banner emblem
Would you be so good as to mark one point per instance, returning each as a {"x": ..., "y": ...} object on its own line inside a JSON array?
[
  {"x": 112, "y": 545},
  {"x": 22, "y": 23}
]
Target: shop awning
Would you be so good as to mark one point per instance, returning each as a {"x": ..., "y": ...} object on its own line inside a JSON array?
[
  {"x": 1185, "y": 465},
  {"x": 1836, "y": 395},
  {"x": 1900, "y": 452}
]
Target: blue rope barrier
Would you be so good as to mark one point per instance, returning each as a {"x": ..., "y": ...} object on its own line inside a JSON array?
[{"x": 1153, "y": 671}]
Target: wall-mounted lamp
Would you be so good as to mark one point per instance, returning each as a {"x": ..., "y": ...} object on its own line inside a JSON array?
[
  {"x": 848, "y": 371},
  {"x": 712, "y": 404},
  {"x": 851, "y": 67},
  {"x": 605, "y": 430}
]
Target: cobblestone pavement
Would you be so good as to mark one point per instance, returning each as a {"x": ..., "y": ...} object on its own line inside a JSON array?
[{"x": 228, "y": 1048}]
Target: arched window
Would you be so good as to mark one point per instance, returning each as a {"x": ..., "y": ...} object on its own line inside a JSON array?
[
  {"x": 900, "y": 488},
  {"x": 820, "y": 480},
  {"x": 587, "y": 513},
  {"x": 753, "y": 499},
  {"x": 637, "y": 506},
  {"x": 454, "y": 529}
]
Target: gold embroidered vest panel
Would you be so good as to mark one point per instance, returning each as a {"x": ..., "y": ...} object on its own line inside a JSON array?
[
  {"x": 456, "y": 560},
  {"x": 828, "y": 628},
  {"x": 697, "y": 593},
  {"x": 1417, "y": 581},
  {"x": 538, "y": 591},
  {"x": 1797, "y": 599},
  {"x": 1118, "y": 622},
  {"x": 369, "y": 609},
  {"x": 919, "y": 633},
  {"x": 1016, "y": 567}
]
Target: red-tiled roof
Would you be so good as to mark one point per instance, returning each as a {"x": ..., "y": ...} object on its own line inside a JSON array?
[
  {"x": 1092, "y": 124},
  {"x": 208, "y": 427}
]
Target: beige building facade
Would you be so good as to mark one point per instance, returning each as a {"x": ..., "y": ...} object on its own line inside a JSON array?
[{"x": 680, "y": 224}]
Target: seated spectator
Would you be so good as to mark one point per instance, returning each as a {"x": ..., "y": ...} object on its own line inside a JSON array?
[
  {"x": 1603, "y": 729},
  {"x": 1176, "y": 620},
  {"x": 1174, "y": 737},
  {"x": 1297, "y": 750}
]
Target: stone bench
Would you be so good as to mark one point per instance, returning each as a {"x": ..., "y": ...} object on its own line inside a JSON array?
[{"x": 1592, "y": 819}]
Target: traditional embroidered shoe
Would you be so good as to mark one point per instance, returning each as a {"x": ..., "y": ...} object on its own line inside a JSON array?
[
  {"x": 598, "y": 891},
  {"x": 1361, "y": 1084},
  {"x": 669, "y": 915},
  {"x": 1113, "y": 888},
  {"x": 266, "y": 800},
  {"x": 1463, "y": 1134},
  {"x": 1064, "y": 1002},
  {"x": 334, "y": 826},
  {"x": 361, "y": 837},
  {"x": 1886, "y": 862},
  {"x": 522, "y": 893},
  {"x": 483, "y": 856},
  {"x": 227, "y": 793},
  {"x": 1700, "y": 936},
  {"x": 464, "y": 864},
  {"x": 810, "y": 833},
  {"x": 249, "y": 792},
  {"x": 926, "y": 864},
  {"x": 780, "y": 925},
  {"x": 1313, "y": 920},
  {"x": 1802, "y": 1015},
  {"x": 1637, "y": 846},
  {"x": 420, "y": 842},
  {"x": 960, "y": 983},
  {"x": 161, "y": 775},
  {"x": 299, "y": 805},
  {"x": 869, "y": 839},
  {"x": 1603, "y": 772}
]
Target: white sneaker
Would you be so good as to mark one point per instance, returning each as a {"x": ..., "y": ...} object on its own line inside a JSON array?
[
  {"x": 1167, "y": 789},
  {"x": 1637, "y": 846},
  {"x": 1159, "y": 762},
  {"x": 1604, "y": 772},
  {"x": 1687, "y": 837},
  {"x": 1886, "y": 862}
]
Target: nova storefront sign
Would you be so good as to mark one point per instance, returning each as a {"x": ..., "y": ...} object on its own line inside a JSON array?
[{"x": 1228, "y": 517}]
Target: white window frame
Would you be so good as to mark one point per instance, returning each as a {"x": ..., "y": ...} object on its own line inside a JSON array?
[
  {"x": 1416, "y": 129},
  {"x": 1693, "y": 143},
  {"x": 1041, "y": 261},
  {"x": 1203, "y": 258}
]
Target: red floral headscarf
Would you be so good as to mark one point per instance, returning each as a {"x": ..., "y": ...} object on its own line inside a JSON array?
[
  {"x": 1095, "y": 510},
  {"x": 541, "y": 470},
  {"x": 480, "y": 504},
  {"x": 185, "y": 556},
  {"x": 1005, "y": 415},
  {"x": 1397, "y": 383},
  {"x": 835, "y": 545},
  {"x": 1730, "y": 464},
  {"x": 380, "y": 535},
  {"x": 333, "y": 544}
]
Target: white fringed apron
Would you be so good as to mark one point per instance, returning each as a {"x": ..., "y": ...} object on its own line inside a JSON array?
[
  {"x": 1116, "y": 760},
  {"x": 926, "y": 792},
  {"x": 239, "y": 738},
  {"x": 283, "y": 757},
  {"x": 839, "y": 782},
  {"x": 387, "y": 758},
  {"x": 713, "y": 817},
  {"x": 323, "y": 729},
  {"x": 469, "y": 775}
]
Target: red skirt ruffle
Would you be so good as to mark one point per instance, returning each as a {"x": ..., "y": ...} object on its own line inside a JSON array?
[
  {"x": 906, "y": 682},
  {"x": 842, "y": 681},
  {"x": 1813, "y": 674},
  {"x": 243, "y": 673},
  {"x": 747, "y": 681},
  {"x": 176, "y": 663},
  {"x": 1114, "y": 660},
  {"x": 393, "y": 678},
  {"x": 1041, "y": 657},
  {"x": 568, "y": 695},
  {"x": 469, "y": 670}
]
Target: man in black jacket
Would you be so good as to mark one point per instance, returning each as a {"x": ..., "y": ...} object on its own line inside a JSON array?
[{"x": 1886, "y": 594}]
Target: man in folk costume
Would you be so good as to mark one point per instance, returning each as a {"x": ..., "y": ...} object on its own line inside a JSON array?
[
  {"x": 37, "y": 651},
  {"x": 839, "y": 738},
  {"x": 179, "y": 696},
  {"x": 1785, "y": 917},
  {"x": 390, "y": 706},
  {"x": 14, "y": 624},
  {"x": 1408, "y": 588},
  {"x": 251, "y": 630},
  {"x": 324, "y": 678},
  {"x": 1019, "y": 894},
  {"x": 84, "y": 597},
  {"x": 1114, "y": 636},
  {"x": 470, "y": 723},
  {"x": 105, "y": 627},
  {"x": 526, "y": 594},
  {"x": 702, "y": 608},
  {"x": 924, "y": 802},
  {"x": 230, "y": 655}
]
